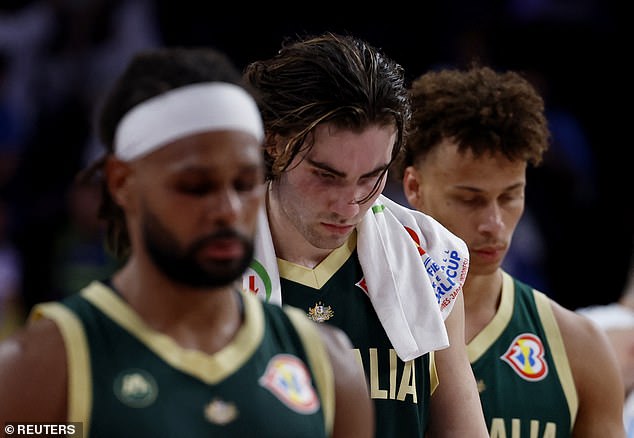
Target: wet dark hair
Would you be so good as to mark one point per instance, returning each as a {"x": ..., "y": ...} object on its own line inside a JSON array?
[
  {"x": 149, "y": 74},
  {"x": 329, "y": 78}
]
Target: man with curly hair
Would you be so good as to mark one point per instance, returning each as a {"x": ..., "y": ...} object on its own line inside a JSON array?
[{"x": 542, "y": 370}]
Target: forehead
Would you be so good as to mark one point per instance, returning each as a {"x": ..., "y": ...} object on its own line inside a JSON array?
[
  {"x": 340, "y": 145},
  {"x": 224, "y": 149},
  {"x": 447, "y": 153},
  {"x": 447, "y": 162}
]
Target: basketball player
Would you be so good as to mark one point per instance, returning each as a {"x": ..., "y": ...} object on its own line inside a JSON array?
[
  {"x": 334, "y": 110},
  {"x": 169, "y": 346},
  {"x": 542, "y": 370}
]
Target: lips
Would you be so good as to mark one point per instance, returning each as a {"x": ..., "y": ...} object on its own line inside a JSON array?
[
  {"x": 489, "y": 253},
  {"x": 339, "y": 229},
  {"x": 223, "y": 249}
]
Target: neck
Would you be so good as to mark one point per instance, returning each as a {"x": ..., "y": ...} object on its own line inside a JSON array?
[
  {"x": 481, "y": 300},
  {"x": 483, "y": 290},
  {"x": 184, "y": 313}
]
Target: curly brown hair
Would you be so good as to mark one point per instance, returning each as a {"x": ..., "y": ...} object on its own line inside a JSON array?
[{"x": 481, "y": 110}]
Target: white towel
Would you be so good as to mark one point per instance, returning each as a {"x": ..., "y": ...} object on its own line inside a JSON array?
[{"x": 412, "y": 286}]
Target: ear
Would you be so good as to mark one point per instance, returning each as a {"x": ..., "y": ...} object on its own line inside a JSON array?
[
  {"x": 411, "y": 187},
  {"x": 117, "y": 174}
]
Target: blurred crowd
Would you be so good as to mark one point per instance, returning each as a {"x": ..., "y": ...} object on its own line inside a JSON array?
[{"x": 58, "y": 56}]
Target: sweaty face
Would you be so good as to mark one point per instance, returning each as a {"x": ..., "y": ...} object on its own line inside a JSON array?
[
  {"x": 479, "y": 199},
  {"x": 197, "y": 207},
  {"x": 316, "y": 202}
]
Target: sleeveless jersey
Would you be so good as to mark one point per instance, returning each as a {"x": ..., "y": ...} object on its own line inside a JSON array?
[
  {"x": 520, "y": 364},
  {"x": 335, "y": 293},
  {"x": 126, "y": 380}
]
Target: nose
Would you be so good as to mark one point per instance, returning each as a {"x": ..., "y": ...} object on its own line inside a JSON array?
[
  {"x": 226, "y": 205},
  {"x": 345, "y": 202},
  {"x": 491, "y": 221}
]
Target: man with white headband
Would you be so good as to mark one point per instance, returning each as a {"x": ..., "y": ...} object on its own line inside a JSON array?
[{"x": 171, "y": 345}]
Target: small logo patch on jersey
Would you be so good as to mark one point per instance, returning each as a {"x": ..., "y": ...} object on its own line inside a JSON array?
[
  {"x": 256, "y": 280},
  {"x": 135, "y": 388},
  {"x": 288, "y": 379},
  {"x": 320, "y": 313},
  {"x": 525, "y": 355},
  {"x": 220, "y": 412}
]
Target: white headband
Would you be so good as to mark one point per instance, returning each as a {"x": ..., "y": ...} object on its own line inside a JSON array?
[{"x": 185, "y": 111}]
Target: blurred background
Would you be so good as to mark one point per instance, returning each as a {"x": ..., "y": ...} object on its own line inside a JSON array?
[{"x": 58, "y": 57}]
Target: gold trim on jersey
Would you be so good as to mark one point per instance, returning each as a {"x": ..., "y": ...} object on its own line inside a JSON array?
[
  {"x": 320, "y": 274},
  {"x": 77, "y": 358},
  {"x": 433, "y": 373},
  {"x": 208, "y": 368},
  {"x": 558, "y": 352},
  {"x": 319, "y": 362},
  {"x": 483, "y": 340}
]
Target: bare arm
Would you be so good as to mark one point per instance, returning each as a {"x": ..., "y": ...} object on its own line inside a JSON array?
[
  {"x": 33, "y": 375},
  {"x": 354, "y": 410},
  {"x": 455, "y": 404},
  {"x": 596, "y": 374}
]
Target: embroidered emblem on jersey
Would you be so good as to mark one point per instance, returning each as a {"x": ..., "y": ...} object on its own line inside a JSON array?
[
  {"x": 257, "y": 281},
  {"x": 220, "y": 412},
  {"x": 525, "y": 355},
  {"x": 288, "y": 379},
  {"x": 320, "y": 313},
  {"x": 135, "y": 388}
]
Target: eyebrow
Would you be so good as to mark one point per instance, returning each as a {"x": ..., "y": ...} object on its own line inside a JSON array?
[
  {"x": 340, "y": 174},
  {"x": 512, "y": 187}
]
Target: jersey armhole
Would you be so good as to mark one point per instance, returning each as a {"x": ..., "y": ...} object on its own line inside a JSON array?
[
  {"x": 79, "y": 394},
  {"x": 554, "y": 339},
  {"x": 319, "y": 362}
]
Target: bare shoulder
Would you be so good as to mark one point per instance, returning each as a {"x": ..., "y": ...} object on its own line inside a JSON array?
[
  {"x": 587, "y": 346},
  {"x": 578, "y": 331},
  {"x": 340, "y": 349},
  {"x": 354, "y": 411},
  {"x": 596, "y": 375},
  {"x": 33, "y": 374}
]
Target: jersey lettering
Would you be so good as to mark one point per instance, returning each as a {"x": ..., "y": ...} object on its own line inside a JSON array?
[
  {"x": 498, "y": 429},
  {"x": 402, "y": 377}
]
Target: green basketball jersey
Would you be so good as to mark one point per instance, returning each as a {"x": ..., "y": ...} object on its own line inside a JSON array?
[
  {"x": 522, "y": 370},
  {"x": 335, "y": 293},
  {"x": 127, "y": 380}
]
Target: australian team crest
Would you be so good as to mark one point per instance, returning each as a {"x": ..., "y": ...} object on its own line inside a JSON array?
[
  {"x": 320, "y": 313},
  {"x": 525, "y": 355},
  {"x": 220, "y": 412}
]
